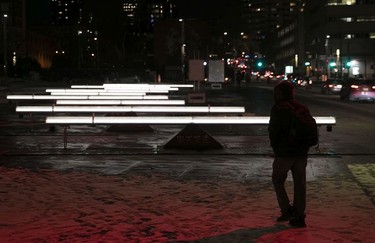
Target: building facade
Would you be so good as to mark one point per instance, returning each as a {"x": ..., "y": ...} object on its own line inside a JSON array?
[
  {"x": 263, "y": 18},
  {"x": 340, "y": 37},
  {"x": 13, "y": 31}
]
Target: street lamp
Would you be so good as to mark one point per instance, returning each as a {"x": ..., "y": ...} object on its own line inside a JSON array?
[
  {"x": 182, "y": 49},
  {"x": 5, "y": 17},
  {"x": 97, "y": 50},
  {"x": 80, "y": 32}
]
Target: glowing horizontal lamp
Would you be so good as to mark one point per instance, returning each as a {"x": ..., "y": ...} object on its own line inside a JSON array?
[
  {"x": 176, "y": 120},
  {"x": 113, "y": 90},
  {"x": 117, "y": 85},
  {"x": 86, "y": 86},
  {"x": 120, "y": 102},
  {"x": 99, "y": 93},
  {"x": 85, "y": 97},
  {"x": 325, "y": 120},
  {"x": 132, "y": 85},
  {"x": 147, "y": 90},
  {"x": 166, "y": 109}
]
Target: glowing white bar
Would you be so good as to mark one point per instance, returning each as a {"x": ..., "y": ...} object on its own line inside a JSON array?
[
  {"x": 325, "y": 120},
  {"x": 149, "y": 85},
  {"x": 99, "y": 93},
  {"x": 120, "y": 102},
  {"x": 72, "y": 90},
  {"x": 131, "y": 85},
  {"x": 65, "y": 120},
  {"x": 86, "y": 97},
  {"x": 148, "y": 90},
  {"x": 112, "y": 90},
  {"x": 86, "y": 86},
  {"x": 177, "y": 120},
  {"x": 165, "y": 109},
  {"x": 133, "y": 97},
  {"x": 34, "y": 108}
]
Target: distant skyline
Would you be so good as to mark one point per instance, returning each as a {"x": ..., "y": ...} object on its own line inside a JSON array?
[{"x": 39, "y": 11}]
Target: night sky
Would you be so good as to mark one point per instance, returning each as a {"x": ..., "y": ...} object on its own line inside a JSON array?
[
  {"x": 206, "y": 9},
  {"x": 38, "y": 12}
]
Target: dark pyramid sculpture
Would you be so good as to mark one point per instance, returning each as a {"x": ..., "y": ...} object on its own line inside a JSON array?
[{"x": 193, "y": 137}]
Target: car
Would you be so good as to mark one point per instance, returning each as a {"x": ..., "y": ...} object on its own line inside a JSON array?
[
  {"x": 302, "y": 81},
  {"x": 358, "y": 90},
  {"x": 331, "y": 86}
]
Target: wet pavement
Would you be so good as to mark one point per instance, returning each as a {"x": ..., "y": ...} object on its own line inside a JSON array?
[{"x": 125, "y": 187}]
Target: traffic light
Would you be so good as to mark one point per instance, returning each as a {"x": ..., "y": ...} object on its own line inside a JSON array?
[
  {"x": 348, "y": 64},
  {"x": 332, "y": 64},
  {"x": 259, "y": 64}
]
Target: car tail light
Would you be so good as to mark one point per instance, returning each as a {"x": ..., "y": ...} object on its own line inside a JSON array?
[{"x": 331, "y": 85}]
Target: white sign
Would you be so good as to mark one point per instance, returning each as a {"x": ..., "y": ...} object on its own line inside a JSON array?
[
  {"x": 289, "y": 69},
  {"x": 216, "y": 71}
]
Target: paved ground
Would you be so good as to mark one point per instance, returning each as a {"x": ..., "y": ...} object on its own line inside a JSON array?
[{"x": 110, "y": 185}]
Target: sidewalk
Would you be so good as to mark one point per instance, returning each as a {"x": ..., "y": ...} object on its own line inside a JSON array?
[
  {"x": 122, "y": 188},
  {"x": 171, "y": 198}
]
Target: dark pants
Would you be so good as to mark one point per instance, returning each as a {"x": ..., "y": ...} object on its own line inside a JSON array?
[{"x": 280, "y": 167}]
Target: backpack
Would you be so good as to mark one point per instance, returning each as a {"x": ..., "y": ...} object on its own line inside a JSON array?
[{"x": 303, "y": 130}]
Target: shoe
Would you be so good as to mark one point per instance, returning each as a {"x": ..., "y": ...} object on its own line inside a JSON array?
[
  {"x": 287, "y": 215},
  {"x": 298, "y": 222}
]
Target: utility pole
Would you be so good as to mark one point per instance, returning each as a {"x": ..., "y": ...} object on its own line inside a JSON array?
[
  {"x": 182, "y": 49},
  {"x": 5, "y": 17}
]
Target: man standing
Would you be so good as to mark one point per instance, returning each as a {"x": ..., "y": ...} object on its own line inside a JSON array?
[{"x": 288, "y": 155}]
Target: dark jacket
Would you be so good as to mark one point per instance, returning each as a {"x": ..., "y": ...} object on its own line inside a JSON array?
[{"x": 279, "y": 130}]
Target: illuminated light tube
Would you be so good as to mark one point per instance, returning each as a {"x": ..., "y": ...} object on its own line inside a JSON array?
[
  {"x": 133, "y": 97},
  {"x": 86, "y": 97},
  {"x": 112, "y": 90},
  {"x": 141, "y": 88},
  {"x": 73, "y": 90},
  {"x": 120, "y": 102},
  {"x": 182, "y": 85},
  {"x": 131, "y": 85},
  {"x": 86, "y": 86},
  {"x": 325, "y": 120},
  {"x": 148, "y": 90},
  {"x": 166, "y": 109},
  {"x": 176, "y": 120},
  {"x": 149, "y": 85},
  {"x": 99, "y": 93}
]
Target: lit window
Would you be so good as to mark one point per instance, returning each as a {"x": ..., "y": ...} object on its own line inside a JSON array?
[
  {"x": 348, "y": 19},
  {"x": 342, "y": 2}
]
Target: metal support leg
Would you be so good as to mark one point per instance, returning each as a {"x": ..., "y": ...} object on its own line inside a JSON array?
[
  {"x": 317, "y": 148},
  {"x": 66, "y": 136}
]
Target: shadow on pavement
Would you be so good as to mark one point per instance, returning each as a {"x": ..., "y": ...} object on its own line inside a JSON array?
[{"x": 244, "y": 235}]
